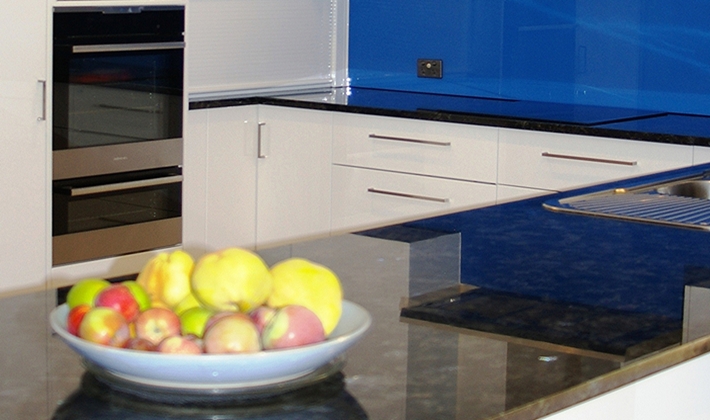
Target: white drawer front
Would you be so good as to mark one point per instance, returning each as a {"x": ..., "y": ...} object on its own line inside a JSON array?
[
  {"x": 364, "y": 198},
  {"x": 558, "y": 161},
  {"x": 420, "y": 147},
  {"x": 701, "y": 154}
]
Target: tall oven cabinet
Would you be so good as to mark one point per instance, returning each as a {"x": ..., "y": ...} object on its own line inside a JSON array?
[{"x": 23, "y": 145}]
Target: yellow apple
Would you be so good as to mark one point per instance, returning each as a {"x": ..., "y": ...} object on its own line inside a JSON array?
[
  {"x": 233, "y": 279},
  {"x": 166, "y": 278},
  {"x": 298, "y": 281}
]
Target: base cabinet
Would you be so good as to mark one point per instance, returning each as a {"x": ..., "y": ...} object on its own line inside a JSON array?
[
  {"x": 24, "y": 146},
  {"x": 557, "y": 162},
  {"x": 701, "y": 154},
  {"x": 364, "y": 198},
  {"x": 219, "y": 190},
  {"x": 260, "y": 176},
  {"x": 293, "y": 175}
]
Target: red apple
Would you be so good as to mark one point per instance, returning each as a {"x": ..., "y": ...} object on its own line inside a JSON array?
[
  {"x": 155, "y": 324},
  {"x": 261, "y": 316},
  {"x": 76, "y": 314},
  {"x": 179, "y": 344},
  {"x": 105, "y": 326},
  {"x": 292, "y": 326},
  {"x": 137, "y": 343},
  {"x": 235, "y": 333},
  {"x": 120, "y": 298}
]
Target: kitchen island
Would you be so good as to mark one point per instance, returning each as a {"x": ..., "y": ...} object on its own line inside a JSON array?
[{"x": 509, "y": 311}]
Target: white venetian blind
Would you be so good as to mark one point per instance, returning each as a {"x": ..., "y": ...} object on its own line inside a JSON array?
[{"x": 254, "y": 46}]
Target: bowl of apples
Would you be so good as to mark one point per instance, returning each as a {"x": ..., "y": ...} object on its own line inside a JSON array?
[{"x": 128, "y": 330}]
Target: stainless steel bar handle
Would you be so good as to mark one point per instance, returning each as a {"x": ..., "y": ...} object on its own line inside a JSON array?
[
  {"x": 407, "y": 195},
  {"x": 43, "y": 117},
  {"x": 259, "y": 153},
  {"x": 590, "y": 159},
  {"x": 408, "y": 140},
  {"x": 147, "y": 46},
  {"x": 121, "y": 186}
]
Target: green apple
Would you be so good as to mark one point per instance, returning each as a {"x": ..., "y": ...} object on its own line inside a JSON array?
[
  {"x": 139, "y": 293},
  {"x": 84, "y": 291},
  {"x": 193, "y": 321}
]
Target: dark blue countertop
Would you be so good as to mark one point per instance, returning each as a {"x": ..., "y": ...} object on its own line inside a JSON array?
[
  {"x": 625, "y": 123},
  {"x": 603, "y": 269}
]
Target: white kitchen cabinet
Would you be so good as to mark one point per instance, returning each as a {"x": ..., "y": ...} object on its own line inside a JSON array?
[
  {"x": 388, "y": 170},
  {"x": 507, "y": 193},
  {"x": 554, "y": 161},
  {"x": 24, "y": 145},
  {"x": 701, "y": 154},
  {"x": 365, "y": 198},
  {"x": 266, "y": 176},
  {"x": 294, "y": 149},
  {"x": 448, "y": 150},
  {"x": 219, "y": 190}
]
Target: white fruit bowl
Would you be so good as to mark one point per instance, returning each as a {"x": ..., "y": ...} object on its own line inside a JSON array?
[{"x": 218, "y": 371}]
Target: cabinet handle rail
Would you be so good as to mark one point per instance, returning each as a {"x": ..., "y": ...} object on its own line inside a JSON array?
[
  {"x": 406, "y": 195},
  {"x": 590, "y": 159},
  {"x": 121, "y": 186},
  {"x": 43, "y": 116},
  {"x": 147, "y": 46},
  {"x": 407, "y": 140},
  {"x": 259, "y": 129}
]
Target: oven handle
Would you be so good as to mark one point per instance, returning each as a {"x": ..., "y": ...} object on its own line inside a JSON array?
[
  {"x": 120, "y": 186},
  {"x": 147, "y": 46}
]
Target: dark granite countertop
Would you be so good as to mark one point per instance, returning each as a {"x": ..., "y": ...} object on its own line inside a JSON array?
[
  {"x": 510, "y": 311},
  {"x": 623, "y": 123}
]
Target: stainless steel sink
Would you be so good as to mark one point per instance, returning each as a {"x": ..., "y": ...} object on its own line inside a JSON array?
[
  {"x": 692, "y": 189},
  {"x": 684, "y": 202}
]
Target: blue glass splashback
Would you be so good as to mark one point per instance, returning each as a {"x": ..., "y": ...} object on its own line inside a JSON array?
[{"x": 647, "y": 54}]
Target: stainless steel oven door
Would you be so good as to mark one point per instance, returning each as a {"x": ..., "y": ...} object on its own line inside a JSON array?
[
  {"x": 112, "y": 215},
  {"x": 118, "y": 90}
]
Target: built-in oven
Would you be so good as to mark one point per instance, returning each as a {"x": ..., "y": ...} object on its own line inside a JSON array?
[{"x": 117, "y": 116}]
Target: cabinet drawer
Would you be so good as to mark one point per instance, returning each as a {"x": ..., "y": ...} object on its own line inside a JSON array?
[
  {"x": 364, "y": 198},
  {"x": 701, "y": 154},
  {"x": 558, "y": 161},
  {"x": 419, "y": 147}
]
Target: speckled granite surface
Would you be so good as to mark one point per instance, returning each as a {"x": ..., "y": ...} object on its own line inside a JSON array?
[{"x": 559, "y": 289}]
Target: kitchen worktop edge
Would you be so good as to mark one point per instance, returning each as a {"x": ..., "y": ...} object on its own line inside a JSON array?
[{"x": 307, "y": 101}]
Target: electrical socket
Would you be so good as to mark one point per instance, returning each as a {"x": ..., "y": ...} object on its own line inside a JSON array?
[{"x": 433, "y": 68}]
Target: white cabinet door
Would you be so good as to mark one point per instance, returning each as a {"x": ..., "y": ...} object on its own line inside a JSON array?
[
  {"x": 506, "y": 193},
  {"x": 256, "y": 176},
  {"x": 24, "y": 153},
  {"x": 293, "y": 178},
  {"x": 558, "y": 162},
  {"x": 220, "y": 178},
  {"x": 365, "y": 198}
]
